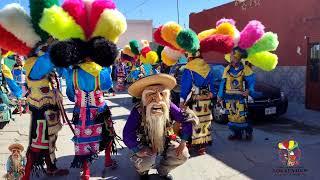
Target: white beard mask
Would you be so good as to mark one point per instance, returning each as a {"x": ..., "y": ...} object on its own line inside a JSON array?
[{"x": 156, "y": 125}]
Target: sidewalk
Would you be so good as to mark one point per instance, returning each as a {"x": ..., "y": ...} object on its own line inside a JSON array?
[{"x": 298, "y": 112}]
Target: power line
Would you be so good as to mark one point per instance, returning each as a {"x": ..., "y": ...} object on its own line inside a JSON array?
[{"x": 138, "y": 6}]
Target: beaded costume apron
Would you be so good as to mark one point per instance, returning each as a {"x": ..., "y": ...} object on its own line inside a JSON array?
[
  {"x": 201, "y": 103},
  {"x": 91, "y": 118}
]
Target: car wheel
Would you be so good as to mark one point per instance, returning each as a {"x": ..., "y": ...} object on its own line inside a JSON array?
[{"x": 217, "y": 115}]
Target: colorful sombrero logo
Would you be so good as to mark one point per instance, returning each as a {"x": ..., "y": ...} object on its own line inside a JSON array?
[{"x": 289, "y": 153}]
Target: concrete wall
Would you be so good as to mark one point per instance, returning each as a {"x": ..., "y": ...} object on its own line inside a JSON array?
[
  {"x": 137, "y": 29},
  {"x": 291, "y": 79}
]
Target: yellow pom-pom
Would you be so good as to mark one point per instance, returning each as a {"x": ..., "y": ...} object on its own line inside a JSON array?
[
  {"x": 111, "y": 25},
  {"x": 204, "y": 34},
  {"x": 151, "y": 58},
  {"x": 226, "y": 29},
  {"x": 60, "y": 24},
  {"x": 169, "y": 33},
  {"x": 264, "y": 60}
]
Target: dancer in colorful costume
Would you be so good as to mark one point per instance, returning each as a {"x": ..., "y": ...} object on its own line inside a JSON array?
[
  {"x": 6, "y": 80},
  {"x": 121, "y": 73},
  {"x": 149, "y": 129},
  {"x": 19, "y": 75},
  {"x": 197, "y": 82},
  {"x": 22, "y": 35},
  {"x": 89, "y": 47},
  {"x": 145, "y": 55},
  {"x": 251, "y": 44}
]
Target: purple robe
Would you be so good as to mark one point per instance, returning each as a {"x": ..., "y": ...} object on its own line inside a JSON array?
[{"x": 134, "y": 121}]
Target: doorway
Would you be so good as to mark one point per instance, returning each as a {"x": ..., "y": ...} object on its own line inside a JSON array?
[{"x": 313, "y": 77}]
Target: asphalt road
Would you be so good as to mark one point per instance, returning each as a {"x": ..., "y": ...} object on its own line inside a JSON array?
[{"x": 225, "y": 159}]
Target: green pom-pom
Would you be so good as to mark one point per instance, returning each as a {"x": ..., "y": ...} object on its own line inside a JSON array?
[
  {"x": 188, "y": 40},
  {"x": 134, "y": 45},
  {"x": 268, "y": 42},
  {"x": 36, "y": 10}
]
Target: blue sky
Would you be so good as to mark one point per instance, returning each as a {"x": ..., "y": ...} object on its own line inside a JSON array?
[{"x": 160, "y": 11}]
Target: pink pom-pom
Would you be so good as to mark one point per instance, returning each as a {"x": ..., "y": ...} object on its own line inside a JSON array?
[
  {"x": 218, "y": 43},
  {"x": 223, "y": 20},
  {"x": 98, "y": 6},
  {"x": 253, "y": 31},
  {"x": 77, "y": 9}
]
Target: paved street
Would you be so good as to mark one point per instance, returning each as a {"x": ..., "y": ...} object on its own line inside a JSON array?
[{"x": 225, "y": 160}]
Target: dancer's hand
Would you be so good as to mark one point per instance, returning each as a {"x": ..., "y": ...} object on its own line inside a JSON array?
[
  {"x": 219, "y": 99},
  {"x": 180, "y": 148},
  {"x": 144, "y": 152},
  {"x": 245, "y": 93},
  {"x": 183, "y": 106}
]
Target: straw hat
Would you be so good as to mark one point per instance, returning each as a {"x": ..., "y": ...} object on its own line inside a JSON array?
[
  {"x": 16, "y": 146},
  {"x": 137, "y": 87}
]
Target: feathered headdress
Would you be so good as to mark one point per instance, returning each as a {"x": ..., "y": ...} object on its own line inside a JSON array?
[
  {"x": 143, "y": 52},
  {"x": 176, "y": 42},
  {"x": 252, "y": 42},
  {"x": 16, "y": 31},
  {"x": 96, "y": 22}
]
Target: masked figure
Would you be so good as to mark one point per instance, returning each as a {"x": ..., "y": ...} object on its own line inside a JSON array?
[
  {"x": 24, "y": 37},
  {"x": 16, "y": 162},
  {"x": 149, "y": 129}
]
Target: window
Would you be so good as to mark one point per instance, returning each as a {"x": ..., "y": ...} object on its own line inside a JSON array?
[{"x": 315, "y": 62}]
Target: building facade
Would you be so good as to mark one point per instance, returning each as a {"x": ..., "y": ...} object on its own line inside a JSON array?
[
  {"x": 297, "y": 23},
  {"x": 137, "y": 29}
]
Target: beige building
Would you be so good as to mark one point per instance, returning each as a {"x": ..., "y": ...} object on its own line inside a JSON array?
[{"x": 137, "y": 29}]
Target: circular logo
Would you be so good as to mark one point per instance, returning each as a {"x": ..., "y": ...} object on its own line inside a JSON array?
[{"x": 289, "y": 153}]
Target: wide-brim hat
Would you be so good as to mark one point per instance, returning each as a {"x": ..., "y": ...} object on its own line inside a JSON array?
[
  {"x": 16, "y": 146},
  {"x": 138, "y": 87}
]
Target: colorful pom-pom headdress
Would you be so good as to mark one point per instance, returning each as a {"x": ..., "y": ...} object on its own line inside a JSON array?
[
  {"x": 143, "y": 52},
  {"x": 85, "y": 28},
  {"x": 16, "y": 31},
  {"x": 176, "y": 42},
  {"x": 251, "y": 44}
]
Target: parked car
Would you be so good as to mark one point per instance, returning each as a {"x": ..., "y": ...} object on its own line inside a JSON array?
[{"x": 268, "y": 101}]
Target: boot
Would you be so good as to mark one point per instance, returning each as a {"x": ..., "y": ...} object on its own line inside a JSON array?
[
  {"x": 52, "y": 169},
  {"x": 234, "y": 137},
  {"x": 108, "y": 162},
  {"x": 86, "y": 171}
]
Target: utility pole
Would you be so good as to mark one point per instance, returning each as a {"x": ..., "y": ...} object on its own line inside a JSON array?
[{"x": 178, "y": 11}]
